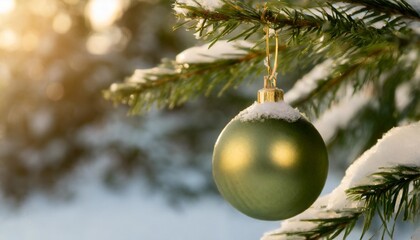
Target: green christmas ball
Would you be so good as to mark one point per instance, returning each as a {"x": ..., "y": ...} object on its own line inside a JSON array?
[{"x": 272, "y": 165}]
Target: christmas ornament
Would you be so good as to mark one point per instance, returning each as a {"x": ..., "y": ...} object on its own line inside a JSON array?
[{"x": 269, "y": 162}]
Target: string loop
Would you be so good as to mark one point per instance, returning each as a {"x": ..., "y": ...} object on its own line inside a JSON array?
[{"x": 270, "y": 79}]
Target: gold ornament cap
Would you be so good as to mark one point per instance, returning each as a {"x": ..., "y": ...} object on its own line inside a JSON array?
[{"x": 270, "y": 95}]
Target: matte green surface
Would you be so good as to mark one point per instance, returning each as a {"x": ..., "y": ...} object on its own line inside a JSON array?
[{"x": 270, "y": 170}]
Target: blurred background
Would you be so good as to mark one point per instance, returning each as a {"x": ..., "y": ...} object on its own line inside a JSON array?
[{"x": 73, "y": 166}]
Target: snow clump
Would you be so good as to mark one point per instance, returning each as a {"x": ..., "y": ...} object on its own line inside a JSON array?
[
  {"x": 209, "y": 5},
  {"x": 220, "y": 50},
  {"x": 269, "y": 110}
]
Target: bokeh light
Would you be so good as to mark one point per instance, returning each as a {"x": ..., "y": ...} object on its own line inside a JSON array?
[
  {"x": 9, "y": 39},
  {"x": 98, "y": 43},
  {"x": 62, "y": 23},
  {"x": 6, "y": 6},
  {"x": 102, "y": 14},
  {"x": 54, "y": 91},
  {"x": 30, "y": 41}
]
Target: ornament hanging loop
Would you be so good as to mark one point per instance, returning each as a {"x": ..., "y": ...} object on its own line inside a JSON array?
[{"x": 270, "y": 93}]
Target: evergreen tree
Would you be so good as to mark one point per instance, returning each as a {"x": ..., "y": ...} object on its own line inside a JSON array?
[{"x": 357, "y": 58}]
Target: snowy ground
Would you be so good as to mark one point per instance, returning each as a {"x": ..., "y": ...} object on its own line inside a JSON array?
[{"x": 97, "y": 213}]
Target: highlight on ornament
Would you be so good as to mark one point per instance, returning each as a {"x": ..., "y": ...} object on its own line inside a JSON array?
[{"x": 269, "y": 162}]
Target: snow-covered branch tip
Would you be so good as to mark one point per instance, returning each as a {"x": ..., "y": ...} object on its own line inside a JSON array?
[
  {"x": 383, "y": 182},
  {"x": 393, "y": 191},
  {"x": 180, "y": 6},
  {"x": 196, "y": 71}
]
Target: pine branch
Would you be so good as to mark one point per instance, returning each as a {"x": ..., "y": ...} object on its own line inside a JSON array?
[
  {"x": 341, "y": 73},
  {"x": 390, "y": 7},
  {"x": 329, "y": 228},
  {"x": 186, "y": 82},
  {"x": 326, "y": 19},
  {"x": 362, "y": 52},
  {"x": 393, "y": 191}
]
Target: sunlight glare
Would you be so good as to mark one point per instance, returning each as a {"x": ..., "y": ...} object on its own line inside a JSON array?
[
  {"x": 236, "y": 155},
  {"x": 6, "y": 6},
  {"x": 102, "y": 14},
  {"x": 283, "y": 154}
]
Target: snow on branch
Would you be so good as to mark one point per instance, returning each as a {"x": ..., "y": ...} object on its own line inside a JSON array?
[
  {"x": 339, "y": 115},
  {"x": 142, "y": 75},
  {"x": 209, "y": 5},
  {"x": 400, "y": 146},
  {"x": 392, "y": 167},
  {"x": 309, "y": 82},
  {"x": 196, "y": 71},
  {"x": 222, "y": 50},
  {"x": 209, "y": 53}
]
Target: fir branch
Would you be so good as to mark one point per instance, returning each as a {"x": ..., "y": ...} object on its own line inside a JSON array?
[
  {"x": 341, "y": 73},
  {"x": 355, "y": 64},
  {"x": 389, "y": 7},
  {"x": 363, "y": 45},
  {"x": 393, "y": 191},
  {"x": 329, "y": 228},
  {"x": 363, "y": 54},
  {"x": 326, "y": 19},
  {"x": 361, "y": 66},
  {"x": 187, "y": 81}
]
